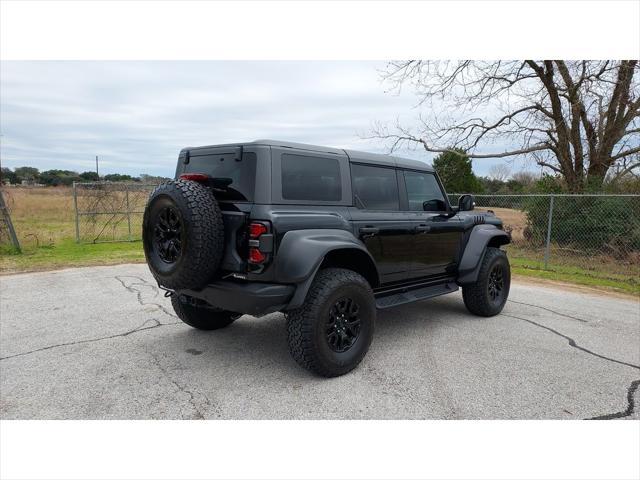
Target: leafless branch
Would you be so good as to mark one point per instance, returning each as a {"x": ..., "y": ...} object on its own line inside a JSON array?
[{"x": 584, "y": 114}]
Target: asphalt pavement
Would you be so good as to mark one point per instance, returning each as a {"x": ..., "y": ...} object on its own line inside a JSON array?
[{"x": 104, "y": 343}]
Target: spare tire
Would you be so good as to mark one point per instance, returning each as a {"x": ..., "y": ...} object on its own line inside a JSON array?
[{"x": 182, "y": 234}]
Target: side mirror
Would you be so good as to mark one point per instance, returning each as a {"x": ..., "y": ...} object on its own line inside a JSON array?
[
  {"x": 434, "y": 205},
  {"x": 466, "y": 203}
]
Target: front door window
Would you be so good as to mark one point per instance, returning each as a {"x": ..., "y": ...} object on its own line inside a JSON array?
[{"x": 424, "y": 193}]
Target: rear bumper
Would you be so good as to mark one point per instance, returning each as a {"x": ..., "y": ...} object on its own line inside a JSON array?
[{"x": 250, "y": 298}]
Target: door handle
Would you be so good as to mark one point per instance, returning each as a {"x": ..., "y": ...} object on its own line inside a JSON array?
[
  {"x": 369, "y": 230},
  {"x": 422, "y": 228}
]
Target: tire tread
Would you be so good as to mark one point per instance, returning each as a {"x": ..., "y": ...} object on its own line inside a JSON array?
[
  {"x": 301, "y": 321},
  {"x": 202, "y": 318},
  {"x": 475, "y": 296},
  {"x": 205, "y": 229}
]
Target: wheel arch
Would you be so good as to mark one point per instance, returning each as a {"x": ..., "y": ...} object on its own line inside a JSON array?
[
  {"x": 481, "y": 237},
  {"x": 302, "y": 253},
  {"x": 498, "y": 240},
  {"x": 353, "y": 259}
]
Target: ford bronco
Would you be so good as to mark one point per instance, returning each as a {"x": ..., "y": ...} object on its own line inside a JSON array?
[{"x": 324, "y": 235}]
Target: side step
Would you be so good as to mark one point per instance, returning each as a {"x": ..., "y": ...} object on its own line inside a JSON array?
[{"x": 413, "y": 295}]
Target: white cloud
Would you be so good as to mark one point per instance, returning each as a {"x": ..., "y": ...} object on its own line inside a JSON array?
[{"x": 137, "y": 115}]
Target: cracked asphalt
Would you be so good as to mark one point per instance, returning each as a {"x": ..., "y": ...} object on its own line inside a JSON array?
[{"x": 103, "y": 343}]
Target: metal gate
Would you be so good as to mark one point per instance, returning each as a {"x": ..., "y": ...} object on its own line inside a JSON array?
[{"x": 109, "y": 211}]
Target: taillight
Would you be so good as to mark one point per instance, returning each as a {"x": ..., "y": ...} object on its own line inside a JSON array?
[
  {"x": 256, "y": 230},
  {"x": 195, "y": 177},
  {"x": 256, "y": 256}
]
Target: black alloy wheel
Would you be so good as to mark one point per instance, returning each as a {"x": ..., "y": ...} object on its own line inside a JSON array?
[
  {"x": 167, "y": 235},
  {"x": 488, "y": 295},
  {"x": 496, "y": 283},
  {"x": 343, "y": 325},
  {"x": 330, "y": 333}
]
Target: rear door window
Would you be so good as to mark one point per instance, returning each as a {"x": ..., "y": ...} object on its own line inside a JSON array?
[
  {"x": 375, "y": 188},
  {"x": 310, "y": 178}
]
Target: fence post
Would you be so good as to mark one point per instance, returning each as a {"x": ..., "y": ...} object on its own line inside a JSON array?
[
  {"x": 6, "y": 219},
  {"x": 126, "y": 189},
  {"x": 548, "y": 245},
  {"x": 75, "y": 204}
]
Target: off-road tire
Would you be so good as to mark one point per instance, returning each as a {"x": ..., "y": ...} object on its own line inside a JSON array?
[
  {"x": 202, "y": 234},
  {"x": 202, "y": 318},
  {"x": 476, "y": 296},
  {"x": 306, "y": 326}
]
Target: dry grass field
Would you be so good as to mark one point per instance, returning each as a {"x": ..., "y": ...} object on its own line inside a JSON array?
[
  {"x": 41, "y": 216},
  {"x": 46, "y": 216},
  {"x": 515, "y": 220},
  {"x": 44, "y": 219}
]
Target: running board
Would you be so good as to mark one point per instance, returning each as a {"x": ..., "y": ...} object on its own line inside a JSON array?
[{"x": 413, "y": 295}]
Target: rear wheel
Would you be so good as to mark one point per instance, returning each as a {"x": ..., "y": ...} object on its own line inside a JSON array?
[
  {"x": 489, "y": 294},
  {"x": 331, "y": 333},
  {"x": 200, "y": 316}
]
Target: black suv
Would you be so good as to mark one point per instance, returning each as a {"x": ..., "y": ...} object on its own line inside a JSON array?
[{"x": 326, "y": 236}]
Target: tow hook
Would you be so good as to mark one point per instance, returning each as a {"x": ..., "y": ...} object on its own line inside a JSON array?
[{"x": 167, "y": 292}]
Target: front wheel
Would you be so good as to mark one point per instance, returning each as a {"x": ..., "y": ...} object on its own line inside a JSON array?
[
  {"x": 331, "y": 333},
  {"x": 489, "y": 294},
  {"x": 200, "y": 316}
]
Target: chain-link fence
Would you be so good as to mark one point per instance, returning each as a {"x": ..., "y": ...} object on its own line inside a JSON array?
[
  {"x": 593, "y": 232},
  {"x": 109, "y": 212},
  {"x": 598, "y": 233}
]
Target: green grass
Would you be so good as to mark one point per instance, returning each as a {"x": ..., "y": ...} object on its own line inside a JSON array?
[
  {"x": 67, "y": 253},
  {"x": 533, "y": 268}
]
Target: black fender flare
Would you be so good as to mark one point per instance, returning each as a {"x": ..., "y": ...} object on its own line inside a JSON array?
[
  {"x": 301, "y": 252},
  {"x": 479, "y": 238}
]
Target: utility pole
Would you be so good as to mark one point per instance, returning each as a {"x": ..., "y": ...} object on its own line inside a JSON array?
[{"x": 97, "y": 172}]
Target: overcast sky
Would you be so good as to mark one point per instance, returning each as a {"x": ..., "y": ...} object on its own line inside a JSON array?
[{"x": 137, "y": 115}]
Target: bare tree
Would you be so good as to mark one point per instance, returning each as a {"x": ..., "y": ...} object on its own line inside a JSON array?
[
  {"x": 499, "y": 172},
  {"x": 524, "y": 177},
  {"x": 626, "y": 167},
  {"x": 580, "y": 118}
]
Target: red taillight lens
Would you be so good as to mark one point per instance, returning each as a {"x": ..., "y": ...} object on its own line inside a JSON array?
[
  {"x": 256, "y": 256},
  {"x": 195, "y": 177},
  {"x": 257, "y": 229}
]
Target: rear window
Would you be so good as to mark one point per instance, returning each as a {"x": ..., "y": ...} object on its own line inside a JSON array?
[
  {"x": 310, "y": 178},
  {"x": 375, "y": 188},
  {"x": 242, "y": 173}
]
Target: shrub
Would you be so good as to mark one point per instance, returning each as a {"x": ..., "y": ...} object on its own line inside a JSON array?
[{"x": 588, "y": 222}]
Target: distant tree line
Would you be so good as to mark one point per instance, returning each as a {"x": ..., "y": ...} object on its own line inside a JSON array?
[
  {"x": 55, "y": 177},
  {"x": 455, "y": 170},
  {"x": 453, "y": 167}
]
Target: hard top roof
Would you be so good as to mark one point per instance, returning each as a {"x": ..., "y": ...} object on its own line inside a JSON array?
[{"x": 354, "y": 155}]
